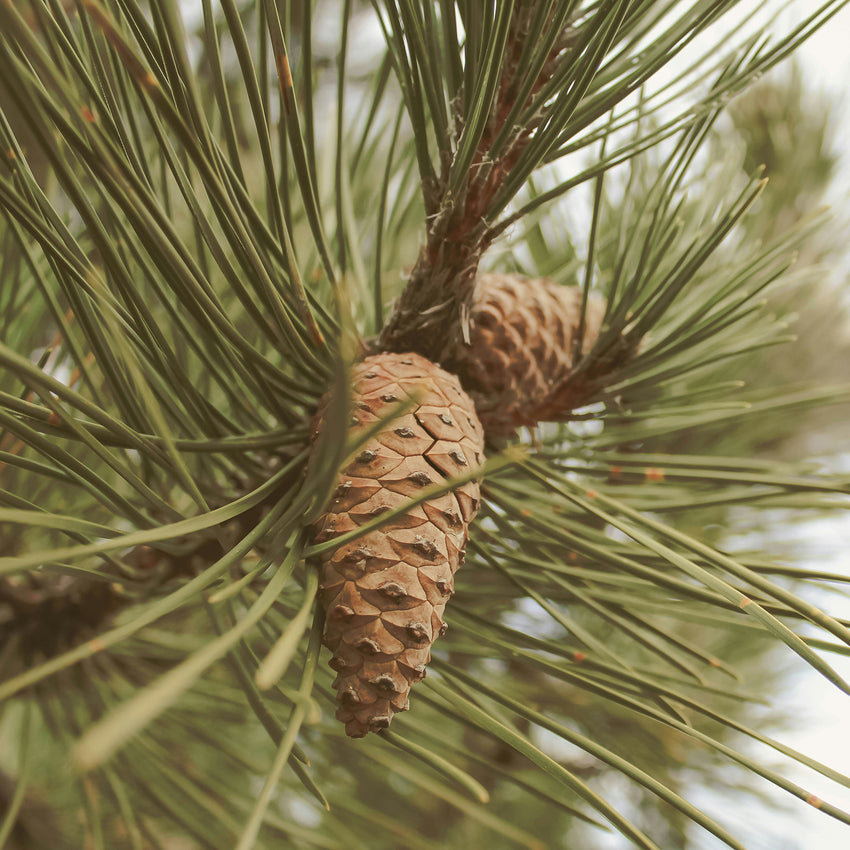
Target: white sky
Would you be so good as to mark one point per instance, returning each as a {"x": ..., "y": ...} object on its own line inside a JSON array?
[{"x": 826, "y": 63}]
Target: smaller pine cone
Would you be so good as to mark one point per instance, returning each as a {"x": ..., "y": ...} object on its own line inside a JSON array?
[
  {"x": 385, "y": 592},
  {"x": 522, "y": 338}
]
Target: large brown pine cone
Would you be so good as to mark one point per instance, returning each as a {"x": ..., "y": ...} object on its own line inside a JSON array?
[
  {"x": 385, "y": 592},
  {"x": 523, "y": 335}
]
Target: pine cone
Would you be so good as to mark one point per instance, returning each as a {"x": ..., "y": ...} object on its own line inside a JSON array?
[
  {"x": 386, "y": 591},
  {"x": 522, "y": 339}
]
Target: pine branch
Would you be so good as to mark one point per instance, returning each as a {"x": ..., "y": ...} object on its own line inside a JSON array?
[
  {"x": 181, "y": 281},
  {"x": 458, "y": 201}
]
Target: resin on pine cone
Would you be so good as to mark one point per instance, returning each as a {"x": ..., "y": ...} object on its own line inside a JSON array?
[
  {"x": 523, "y": 335},
  {"x": 385, "y": 592}
]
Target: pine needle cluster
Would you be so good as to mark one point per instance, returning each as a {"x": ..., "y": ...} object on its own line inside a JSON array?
[{"x": 204, "y": 224}]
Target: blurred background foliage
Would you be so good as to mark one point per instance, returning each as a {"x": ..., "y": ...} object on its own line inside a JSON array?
[{"x": 185, "y": 267}]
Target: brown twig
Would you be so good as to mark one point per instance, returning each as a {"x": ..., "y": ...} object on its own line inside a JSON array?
[{"x": 431, "y": 316}]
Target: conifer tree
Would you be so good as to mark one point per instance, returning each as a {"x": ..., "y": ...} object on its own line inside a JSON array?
[{"x": 414, "y": 356}]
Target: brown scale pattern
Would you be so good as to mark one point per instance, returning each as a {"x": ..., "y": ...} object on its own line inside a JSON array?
[
  {"x": 385, "y": 592},
  {"x": 522, "y": 336}
]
